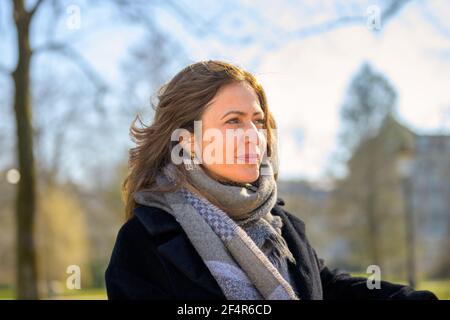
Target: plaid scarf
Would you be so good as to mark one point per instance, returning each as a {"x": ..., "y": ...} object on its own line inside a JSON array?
[{"x": 236, "y": 236}]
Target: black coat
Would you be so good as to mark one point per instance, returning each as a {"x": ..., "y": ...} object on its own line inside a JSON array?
[{"x": 154, "y": 259}]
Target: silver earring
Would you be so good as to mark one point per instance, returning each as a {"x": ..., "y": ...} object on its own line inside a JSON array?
[{"x": 190, "y": 164}]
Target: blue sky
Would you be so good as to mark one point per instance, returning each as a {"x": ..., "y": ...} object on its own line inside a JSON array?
[{"x": 305, "y": 78}]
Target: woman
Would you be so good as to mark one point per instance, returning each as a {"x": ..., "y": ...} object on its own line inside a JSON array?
[{"x": 203, "y": 217}]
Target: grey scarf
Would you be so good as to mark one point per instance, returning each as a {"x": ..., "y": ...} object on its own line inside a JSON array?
[{"x": 232, "y": 228}]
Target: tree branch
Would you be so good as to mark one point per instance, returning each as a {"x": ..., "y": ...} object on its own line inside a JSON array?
[
  {"x": 200, "y": 25},
  {"x": 74, "y": 56},
  {"x": 35, "y": 7},
  {"x": 387, "y": 13},
  {"x": 392, "y": 9}
]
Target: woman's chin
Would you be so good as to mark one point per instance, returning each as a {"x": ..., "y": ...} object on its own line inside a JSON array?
[{"x": 246, "y": 173}]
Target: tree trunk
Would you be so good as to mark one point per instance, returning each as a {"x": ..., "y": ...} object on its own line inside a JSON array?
[
  {"x": 26, "y": 268},
  {"x": 371, "y": 190}
]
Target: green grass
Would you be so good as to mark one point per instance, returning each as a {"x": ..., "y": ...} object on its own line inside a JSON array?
[
  {"x": 82, "y": 294},
  {"x": 6, "y": 293},
  {"x": 440, "y": 287}
]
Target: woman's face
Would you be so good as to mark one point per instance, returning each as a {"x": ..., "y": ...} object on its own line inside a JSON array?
[{"x": 235, "y": 117}]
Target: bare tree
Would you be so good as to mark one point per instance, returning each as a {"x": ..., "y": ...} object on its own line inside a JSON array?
[
  {"x": 26, "y": 191},
  {"x": 371, "y": 98}
]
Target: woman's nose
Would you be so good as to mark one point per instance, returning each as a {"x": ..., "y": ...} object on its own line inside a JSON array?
[{"x": 252, "y": 134}]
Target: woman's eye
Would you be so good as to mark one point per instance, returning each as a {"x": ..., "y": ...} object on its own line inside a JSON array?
[
  {"x": 236, "y": 120},
  {"x": 233, "y": 121},
  {"x": 260, "y": 122}
]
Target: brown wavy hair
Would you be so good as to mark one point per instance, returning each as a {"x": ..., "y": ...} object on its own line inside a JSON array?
[{"x": 180, "y": 102}]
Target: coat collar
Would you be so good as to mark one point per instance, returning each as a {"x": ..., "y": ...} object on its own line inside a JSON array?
[
  {"x": 158, "y": 222},
  {"x": 184, "y": 257},
  {"x": 177, "y": 249}
]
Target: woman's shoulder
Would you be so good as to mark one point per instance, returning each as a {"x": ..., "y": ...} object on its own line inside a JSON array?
[
  {"x": 156, "y": 221},
  {"x": 132, "y": 233},
  {"x": 138, "y": 239},
  {"x": 146, "y": 226}
]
